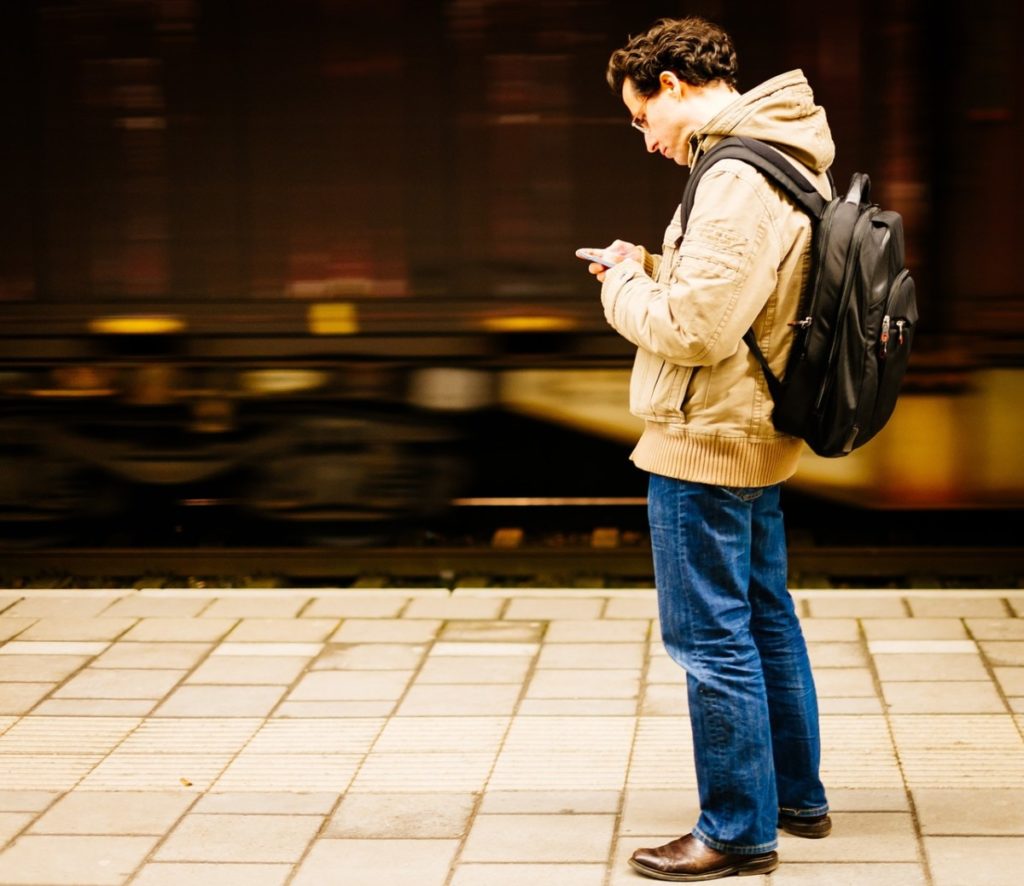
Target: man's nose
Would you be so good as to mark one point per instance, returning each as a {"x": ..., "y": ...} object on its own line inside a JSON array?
[{"x": 650, "y": 143}]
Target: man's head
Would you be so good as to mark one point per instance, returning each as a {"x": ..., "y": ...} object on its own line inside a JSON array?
[{"x": 673, "y": 79}]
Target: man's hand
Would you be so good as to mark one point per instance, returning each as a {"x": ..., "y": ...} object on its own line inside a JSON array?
[{"x": 618, "y": 251}]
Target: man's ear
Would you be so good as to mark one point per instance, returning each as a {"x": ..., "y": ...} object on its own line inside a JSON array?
[{"x": 669, "y": 80}]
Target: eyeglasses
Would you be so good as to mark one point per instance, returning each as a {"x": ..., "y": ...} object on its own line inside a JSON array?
[{"x": 638, "y": 122}]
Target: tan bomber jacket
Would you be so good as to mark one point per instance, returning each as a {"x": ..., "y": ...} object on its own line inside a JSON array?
[{"x": 743, "y": 263}]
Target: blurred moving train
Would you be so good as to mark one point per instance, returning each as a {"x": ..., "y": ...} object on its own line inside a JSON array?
[{"x": 309, "y": 257}]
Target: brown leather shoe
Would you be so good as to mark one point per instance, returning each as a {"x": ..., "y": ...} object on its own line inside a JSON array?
[
  {"x": 687, "y": 860},
  {"x": 813, "y": 827}
]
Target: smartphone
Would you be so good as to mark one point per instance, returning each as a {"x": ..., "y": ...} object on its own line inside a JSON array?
[{"x": 596, "y": 255}]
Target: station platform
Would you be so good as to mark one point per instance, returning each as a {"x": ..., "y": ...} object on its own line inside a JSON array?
[{"x": 476, "y": 737}]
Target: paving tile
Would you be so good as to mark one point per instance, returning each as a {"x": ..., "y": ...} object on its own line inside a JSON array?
[
  {"x": 534, "y": 874},
  {"x": 44, "y": 772},
  {"x": 152, "y": 655},
  {"x": 96, "y": 707},
  {"x": 18, "y": 647},
  {"x": 20, "y": 698},
  {"x": 211, "y": 735},
  {"x": 351, "y": 686},
  {"x": 564, "y": 802},
  {"x": 285, "y": 650},
  {"x": 249, "y": 670},
  {"x": 922, "y": 647},
  {"x": 852, "y": 874},
  {"x": 845, "y": 682},
  {"x": 554, "y": 683},
  {"x": 492, "y": 699},
  {"x": 474, "y": 669},
  {"x": 962, "y": 751},
  {"x": 40, "y": 668},
  {"x": 993, "y": 861},
  {"x": 663, "y": 669},
  {"x": 11, "y": 627},
  {"x": 831, "y": 630},
  {"x": 953, "y": 667},
  {"x": 1011, "y": 680},
  {"x": 1017, "y": 605},
  {"x": 180, "y": 630},
  {"x": 320, "y": 709},
  {"x": 327, "y": 736},
  {"x": 198, "y": 874},
  {"x": 991, "y": 812},
  {"x": 12, "y": 823},
  {"x": 850, "y": 705},
  {"x": 547, "y": 608},
  {"x": 245, "y": 838},
  {"x": 1004, "y": 653},
  {"x": 633, "y": 608},
  {"x": 662, "y": 754},
  {"x": 591, "y": 655},
  {"x": 857, "y": 837},
  {"x": 77, "y": 861},
  {"x": 578, "y": 707},
  {"x": 26, "y": 801},
  {"x": 419, "y": 734},
  {"x": 77, "y": 629},
  {"x": 221, "y": 701},
  {"x": 958, "y": 607},
  {"x": 857, "y": 752},
  {"x": 602, "y": 631},
  {"x": 139, "y": 606},
  {"x": 914, "y": 629},
  {"x": 61, "y": 735},
  {"x": 72, "y": 606},
  {"x": 125, "y": 813},
  {"x": 255, "y": 606},
  {"x": 463, "y": 608},
  {"x": 461, "y": 772},
  {"x": 493, "y": 631},
  {"x": 372, "y": 862},
  {"x": 392, "y": 630},
  {"x": 375, "y": 606},
  {"x": 370, "y": 657},
  {"x": 8, "y": 600},
  {"x": 665, "y": 699},
  {"x": 402, "y": 816},
  {"x": 293, "y": 630},
  {"x": 867, "y": 800},
  {"x": 120, "y": 683},
  {"x": 458, "y": 650},
  {"x": 857, "y": 607},
  {"x": 945, "y": 697},
  {"x": 289, "y": 772},
  {"x": 264, "y": 802},
  {"x": 996, "y": 628},
  {"x": 165, "y": 772},
  {"x": 526, "y": 838},
  {"x": 658, "y": 812},
  {"x": 837, "y": 655}
]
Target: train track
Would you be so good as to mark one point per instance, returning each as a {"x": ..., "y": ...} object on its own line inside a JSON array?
[{"x": 448, "y": 566}]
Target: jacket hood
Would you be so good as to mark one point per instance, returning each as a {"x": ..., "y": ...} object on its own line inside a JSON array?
[{"x": 781, "y": 111}]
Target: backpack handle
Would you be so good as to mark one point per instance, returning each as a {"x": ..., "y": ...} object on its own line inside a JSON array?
[{"x": 860, "y": 190}]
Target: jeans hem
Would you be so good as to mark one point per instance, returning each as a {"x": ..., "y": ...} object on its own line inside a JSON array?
[
  {"x": 732, "y": 849},
  {"x": 813, "y": 812}
]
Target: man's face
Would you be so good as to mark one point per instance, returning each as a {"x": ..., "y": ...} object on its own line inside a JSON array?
[{"x": 668, "y": 118}]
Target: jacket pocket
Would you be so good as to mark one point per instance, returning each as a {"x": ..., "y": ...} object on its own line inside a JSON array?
[{"x": 660, "y": 391}]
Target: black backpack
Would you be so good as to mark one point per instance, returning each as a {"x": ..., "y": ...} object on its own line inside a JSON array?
[{"x": 856, "y": 320}]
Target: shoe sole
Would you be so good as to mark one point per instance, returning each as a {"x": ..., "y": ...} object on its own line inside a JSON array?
[
  {"x": 750, "y": 869},
  {"x": 810, "y": 832}
]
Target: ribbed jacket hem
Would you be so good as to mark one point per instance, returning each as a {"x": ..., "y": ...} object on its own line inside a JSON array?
[{"x": 710, "y": 458}]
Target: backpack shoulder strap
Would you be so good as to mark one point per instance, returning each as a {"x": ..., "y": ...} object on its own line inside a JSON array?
[
  {"x": 774, "y": 166},
  {"x": 769, "y": 161}
]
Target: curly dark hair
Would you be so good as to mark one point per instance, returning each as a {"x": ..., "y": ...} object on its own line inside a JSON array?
[{"x": 695, "y": 50}]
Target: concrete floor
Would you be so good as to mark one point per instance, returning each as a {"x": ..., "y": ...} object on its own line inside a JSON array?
[{"x": 484, "y": 737}]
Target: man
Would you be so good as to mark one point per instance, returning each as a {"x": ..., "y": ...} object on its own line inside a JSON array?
[{"x": 715, "y": 460}]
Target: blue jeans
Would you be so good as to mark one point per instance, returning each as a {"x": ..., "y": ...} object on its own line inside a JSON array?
[{"x": 728, "y": 619}]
